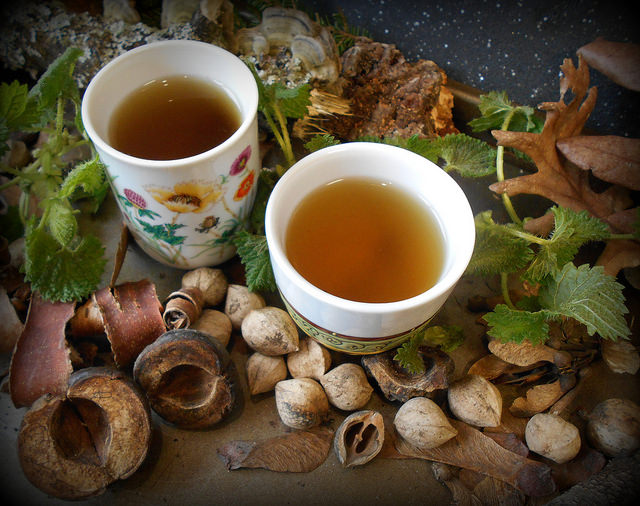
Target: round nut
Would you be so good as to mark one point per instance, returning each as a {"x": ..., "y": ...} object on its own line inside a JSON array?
[
  {"x": 422, "y": 423},
  {"x": 614, "y": 427},
  {"x": 301, "y": 403},
  {"x": 211, "y": 282},
  {"x": 216, "y": 324},
  {"x": 270, "y": 331},
  {"x": 476, "y": 401},
  {"x": 311, "y": 360},
  {"x": 552, "y": 437},
  {"x": 264, "y": 372},
  {"x": 347, "y": 387},
  {"x": 240, "y": 302}
]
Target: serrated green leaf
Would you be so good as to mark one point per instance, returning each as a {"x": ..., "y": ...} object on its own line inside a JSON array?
[
  {"x": 88, "y": 176},
  {"x": 407, "y": 355},
  {"x": 590, "y": 296},
  {"x": 254, "y": 254},
  {"x": 513, "y": 325},
  {"x": 445, "y": 337},
  {"x": 321, "y": 141},
  {"x": 496, "y": 250},
  {"x": 293, "y": 102},
  {"x": 422, "y": 146},
  {"x": 571, "y": 230},
  {"x": 57, "y": 81},
  {"x": 17, "y": 110},
  {"x": 468, "y": 156},
  {"x": 496, "y": 107},
  {"x": 61, "y": 222},
  {"x": 62, "y": 274}
]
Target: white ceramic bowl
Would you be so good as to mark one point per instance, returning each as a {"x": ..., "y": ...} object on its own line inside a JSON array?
[{"x": 359, "y": 327}]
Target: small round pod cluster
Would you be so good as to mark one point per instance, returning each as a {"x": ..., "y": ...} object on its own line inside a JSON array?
[
  {"x": 613, "y": 427},
  {"x": 422, "y": 423},
  {"x": 240, "y": 302},
  {"x": 214, "y": 323},
  {"x": 270, "y": 331},
  {"x": 347, "y": 387},
  {"x": 264, "y": 372},
  {"x": 476, "y": 401},
  {"x": 211, "y": 282},
  {"x": 552, "y": 437},
  {"x": 301, "y": 403},
  {"x": 311, "y": 360}
]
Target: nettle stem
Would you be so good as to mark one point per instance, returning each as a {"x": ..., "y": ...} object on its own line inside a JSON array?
[{"x": 506, "y": 201}]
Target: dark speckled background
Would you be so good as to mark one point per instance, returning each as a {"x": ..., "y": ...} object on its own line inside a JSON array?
[{"x": 515, "y": 46}]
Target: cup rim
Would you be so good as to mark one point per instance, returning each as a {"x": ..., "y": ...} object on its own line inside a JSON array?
[
  {"x": 443, "y": 285},
  {"x": 176, "y": 163}
]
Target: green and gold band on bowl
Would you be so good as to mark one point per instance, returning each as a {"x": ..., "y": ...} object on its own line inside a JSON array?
[{"x": 364, "y": 327}]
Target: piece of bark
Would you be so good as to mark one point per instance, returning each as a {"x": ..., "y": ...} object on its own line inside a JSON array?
[
  {"x": 132, "y": 316},
  {"x": 297, "y": 452},
  {"x": 121, "y": 253},
  {"x": 612, "y": 158},
  {"x": 584, "y": 465},
  {"x": 471, "y": 449},
  {"x": 40, "y": 363},
  {"x": 619, "y": 61},
  {"x": 540, "y": 397}
]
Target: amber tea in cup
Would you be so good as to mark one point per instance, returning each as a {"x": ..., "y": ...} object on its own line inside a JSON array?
[
  {"x": 365, "y": 240},
  {"x": 173, "y": 117}
]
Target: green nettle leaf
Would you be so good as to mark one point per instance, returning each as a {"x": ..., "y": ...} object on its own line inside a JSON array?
[
  {"x": 445, "y": 337},
  {"x": 57, "y": 81},
  {"x": 254, "y": 254},
  {"x": 293, "y": 102},
  {"x": 591, "y": 297},
  {"x": 513, "y": 325},
  {"x": 407, "y": 355},
  {"x": 496, "y": 250},
  {"x": 321, "y": 141},
  {"x": 427, "y": 148},
  {"x": 466, "y": 155},
  {"x": 63, "y": 274},
  {"x": 62, "y": 222},
  {"x": 88, "y": 176},
  {"x": 496, "y": 107},
  {"x": 572, "y": 229}
]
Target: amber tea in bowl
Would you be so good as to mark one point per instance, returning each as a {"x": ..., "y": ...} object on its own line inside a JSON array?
[
  {"x": 367, "y": 241},
  {"x": 175, "y": 123}
]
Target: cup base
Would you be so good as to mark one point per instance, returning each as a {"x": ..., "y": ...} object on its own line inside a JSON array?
[{"x": 350, "y": 344}]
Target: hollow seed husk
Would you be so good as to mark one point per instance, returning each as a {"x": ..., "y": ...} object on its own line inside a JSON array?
[{"x": 359, "y": 438}]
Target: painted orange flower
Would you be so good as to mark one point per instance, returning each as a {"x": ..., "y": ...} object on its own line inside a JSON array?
[
  {"x": 187, "y": 197},
  {"x": 245, "y": 186}
]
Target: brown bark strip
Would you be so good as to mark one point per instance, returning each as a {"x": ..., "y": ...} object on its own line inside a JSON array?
[
  {"x": 298, "y": 452},
  {"x": 41, "y": 363},
  {"x": 471, "y": 449},
  {"x": 132, "y": 318}
]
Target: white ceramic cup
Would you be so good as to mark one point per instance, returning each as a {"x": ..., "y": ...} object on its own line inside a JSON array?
[
  {"x": 181, "y": 212},
  {"x": 359, "y": 327}
]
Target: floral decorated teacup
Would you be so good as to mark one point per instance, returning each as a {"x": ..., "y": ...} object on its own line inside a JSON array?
[{"x": 181, "y": 212}]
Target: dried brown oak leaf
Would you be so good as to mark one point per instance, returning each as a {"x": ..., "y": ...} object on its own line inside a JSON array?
[
  {"x": 562, "y": 182},
  {"x": 297, "y": 452},
  {"x": 619, "y": 61}
]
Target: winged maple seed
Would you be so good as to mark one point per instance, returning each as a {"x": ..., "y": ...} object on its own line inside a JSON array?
[{"x": 568, "y": 184}]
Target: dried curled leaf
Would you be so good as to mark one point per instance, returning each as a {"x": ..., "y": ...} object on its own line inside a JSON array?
[
  {"x": 526, "y": 354},
  {"x": 619, "y": 61},
  {"x": 540, "y": 397},
  {"x": 299, "y": 452}
]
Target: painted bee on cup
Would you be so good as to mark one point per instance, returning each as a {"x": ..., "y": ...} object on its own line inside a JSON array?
[{"x": 207, "y": 224}]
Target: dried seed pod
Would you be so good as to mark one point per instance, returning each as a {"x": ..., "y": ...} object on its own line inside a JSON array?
[
  {"x": 216, "y": 324},
  {"x": 182, "y": 308},
  {"x": 73, "y": 446},
  {"x": 264, "y": 372},
  {"x": 270, "y": 331},
  {"x": 476, "y": 401},
  {"x": 552, "y": 437},
  {"x": 621, "y": 356},
  {"x": 347, "y": 387},
  {"x": 301, "y": 402},
  {"x": 311, "y": 360},
  {"x": 189, "y": 378},
  {"x": 525, "y": 353},
  {"x": 359, "y": 438},
  {"x": 614, "y": 427},
  {"x": 397, "y": 384},
  {"x": 212, "y": 283},
  {"x": 240, "y": 302},
  {"x": 422, "y": 423}
]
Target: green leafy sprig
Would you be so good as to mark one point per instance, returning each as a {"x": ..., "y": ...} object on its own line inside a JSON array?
[{"x": 59, "y": 262}]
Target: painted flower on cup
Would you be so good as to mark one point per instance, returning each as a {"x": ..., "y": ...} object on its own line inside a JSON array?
[
  {"x": 245, "y": 186},
  {"x": 135, "y": 201},
  {"x": 187, "y": 197},
  {"x": 240, "y": 163}
]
